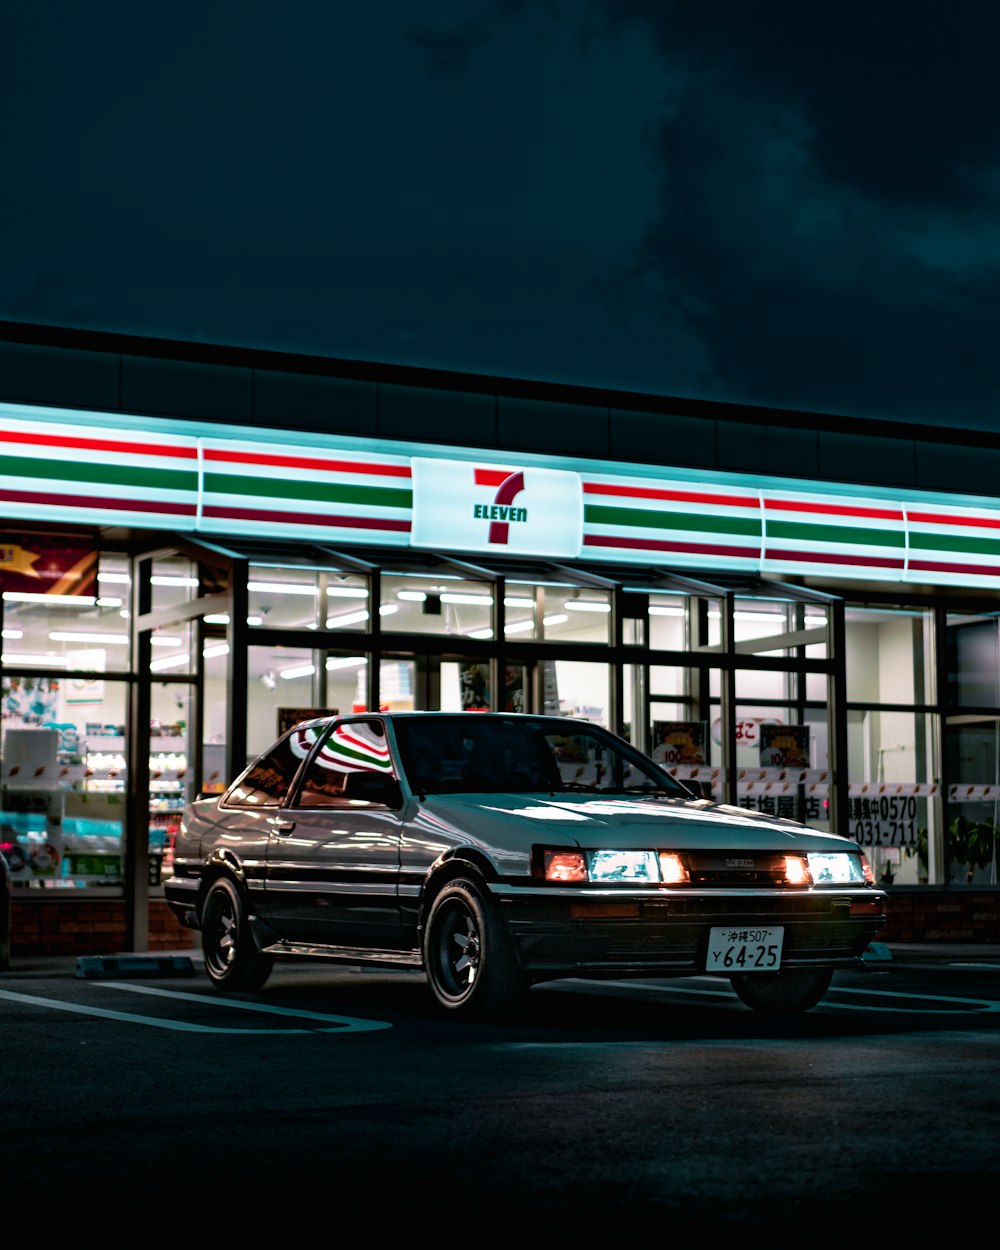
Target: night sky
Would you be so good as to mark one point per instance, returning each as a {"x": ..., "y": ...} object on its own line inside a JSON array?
[{"x": 774, "y": 203}]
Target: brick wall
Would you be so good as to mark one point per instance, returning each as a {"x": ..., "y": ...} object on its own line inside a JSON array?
[
  {"x": 87, "y": 927},
  {"x": 942, "y": 916},
  {"x": 41, "y": 926}
]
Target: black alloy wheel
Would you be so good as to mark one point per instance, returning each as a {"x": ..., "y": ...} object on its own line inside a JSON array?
[{"x": 232, "y": 959}]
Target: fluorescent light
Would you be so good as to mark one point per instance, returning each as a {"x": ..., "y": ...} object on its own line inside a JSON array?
[
  {"x": 303, "y": 670},
  {"x": 36, "y": 661},
  {"x": 347, "y": 592},
  {"x": 222, "y": 618},
  {"x": 62, "y": 601},
  {"x": 282, "y": 588},
  {"x": 113, "y": 577},
  {"x": 109, "y": 601},
  {"x": 411, "y": 596},
  {"x": 221, "y": 648},
  {"x": 518, "y": 601},
  {"x": 657, "y": 609},
  {"x": 164, "y": 640},
  {"x": 773, "y": 618},
  {"x": 346, "y": 661},
  {"x": 587, "y": 605},
  {"x": 72, "y": 635},
  {"x": 169, "y": 580},
  {"x": 456, "y": 597},
  {"x": 521, "y": 627},
  {"x": 13, "y": 633},
  {"x": 348, "y": 618},
  {"x": 555, "y": 620},
  {"x": 480, "y": 633},
  {"x": 388, "y": 609},
  {"x": 170, "y": 661}
]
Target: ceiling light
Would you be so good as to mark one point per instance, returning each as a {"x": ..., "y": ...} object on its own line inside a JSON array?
[
  {"x": 282, "y": 588},
  {"x": 347, "y": 592},
  {"x": 164, "y": 640},
  {"x": 303, "y": 670},
  {"x": 518, "y": 601},
  {"x": 71, "y": 635},
  {"x": 480, "y": 633},
  {"x": 221, "y": 648},
  {"x": 113, "y": 577},
  {"x": 348, "y": 618},
  {"x": 555, "y": 620},
  {"x": 13, "y": 633},
  {"x": 664, "y": 609},
  {"x": 62, "y": 601},
  {"x": 587, "y": 605},
  {"x": 168, "y": 580},
  {"x": 109, "y": 601},
  {"x": 456, "y": 597},
  {"x": 411, "y": 596},
  {"x": 170, "y": 661},
  {"x": 521, "y": 627},
  {"x": 35, "y": 661},
  {"x": 346, "y": 661}
]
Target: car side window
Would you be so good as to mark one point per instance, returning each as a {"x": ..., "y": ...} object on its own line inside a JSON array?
[
  {"x": 269, "y": 778},
  {"x": 351, "y": 766}
]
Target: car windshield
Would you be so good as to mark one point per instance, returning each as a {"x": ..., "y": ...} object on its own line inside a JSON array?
[{"x": 468, "y": 753}]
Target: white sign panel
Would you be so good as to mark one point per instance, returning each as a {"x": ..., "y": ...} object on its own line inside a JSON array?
[{"x": 504, "y": 508}]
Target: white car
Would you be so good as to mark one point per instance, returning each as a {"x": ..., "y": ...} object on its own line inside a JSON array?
[{"x": 492, "y": 851}]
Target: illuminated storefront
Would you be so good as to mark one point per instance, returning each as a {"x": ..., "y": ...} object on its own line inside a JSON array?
[{"x": 176, "y": 590}]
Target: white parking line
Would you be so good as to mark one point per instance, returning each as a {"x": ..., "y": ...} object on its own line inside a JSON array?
[
  {"x": 982, "y": 1005},
  {"x": 340, "y": 1024}
]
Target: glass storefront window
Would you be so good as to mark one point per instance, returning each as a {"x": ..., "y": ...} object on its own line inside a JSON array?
[
  {"x": 280, "y": 598},
  {"x": 574, "y": 614},
  {"x": 173, "y": 581},
  {"x": 63, "y": 762},
  {"x": 972, "y": 644},
  {"x": 66, "y": 632},
  {"x": 172, "y": 651},
  {"x": 436, "y": 605},
  {"x": 972, "y": 747},
  {"x": 889, "y": 655},
  {"x": 579, "y": 688},
  {"x": 668, "y": 622},
  {"x": 892, "y": 813}
]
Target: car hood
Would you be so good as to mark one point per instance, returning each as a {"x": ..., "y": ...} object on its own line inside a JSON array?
[{"x": 619, "y": 821}]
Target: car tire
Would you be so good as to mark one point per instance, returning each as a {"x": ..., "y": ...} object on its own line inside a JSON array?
[
  {"x": 779, "y": 993},
  {"x": 232, "y": 959},
  {"x": 469, "y": 956}
]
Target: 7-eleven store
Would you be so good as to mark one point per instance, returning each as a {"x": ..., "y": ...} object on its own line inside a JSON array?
[{"x": 177, "y": 589}]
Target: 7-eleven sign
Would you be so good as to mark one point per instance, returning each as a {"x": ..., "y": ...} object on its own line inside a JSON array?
[{"x": 482, "y": 507}]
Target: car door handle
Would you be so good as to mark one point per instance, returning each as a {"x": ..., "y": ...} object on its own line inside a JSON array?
[{"x": 282, "y": 826}]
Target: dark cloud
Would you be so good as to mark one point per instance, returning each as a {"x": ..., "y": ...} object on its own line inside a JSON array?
[{"x": 770, "y": 203}]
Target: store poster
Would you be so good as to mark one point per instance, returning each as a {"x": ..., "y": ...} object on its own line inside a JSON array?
[
  {"x": 679, "y": 742},
  {"x": 784, "y": 746},
  {"x": 47, "y": 566},
  {"x": 474, "y": 687}
]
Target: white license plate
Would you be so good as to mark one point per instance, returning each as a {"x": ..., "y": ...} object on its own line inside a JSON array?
[{"x": 733, "y": 949}]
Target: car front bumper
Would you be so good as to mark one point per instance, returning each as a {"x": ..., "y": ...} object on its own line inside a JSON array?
[{"x": 614, "y": 933}]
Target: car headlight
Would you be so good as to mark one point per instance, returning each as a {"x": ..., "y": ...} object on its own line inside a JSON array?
[
  {"x": 839, "y": 868},
  {"x": 607, "y": 867}
]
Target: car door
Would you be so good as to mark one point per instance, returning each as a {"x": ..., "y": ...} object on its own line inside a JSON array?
[{"x": 333, "y": 853}]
